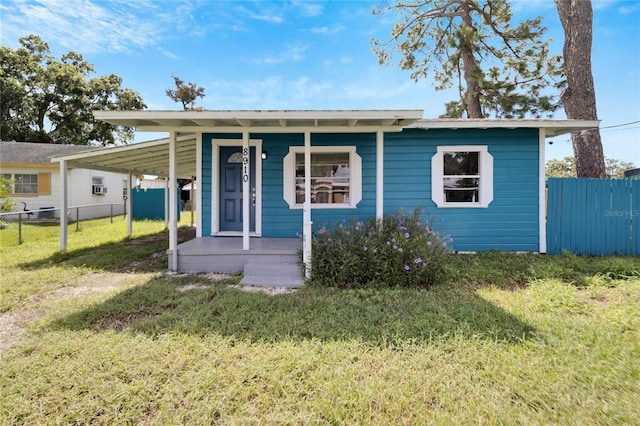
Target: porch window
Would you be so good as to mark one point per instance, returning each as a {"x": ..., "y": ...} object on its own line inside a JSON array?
[
  {"x": 462, "y": 176},
  {"x": 335, "y": 177}
]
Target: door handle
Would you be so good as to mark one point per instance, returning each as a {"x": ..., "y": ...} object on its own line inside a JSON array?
[{"x": 253, "y": 196}]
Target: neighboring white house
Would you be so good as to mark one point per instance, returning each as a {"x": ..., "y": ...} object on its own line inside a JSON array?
[{"x": 36, "y": 182}]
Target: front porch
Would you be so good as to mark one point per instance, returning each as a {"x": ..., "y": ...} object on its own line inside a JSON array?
[{"x": 272, "y": 262}]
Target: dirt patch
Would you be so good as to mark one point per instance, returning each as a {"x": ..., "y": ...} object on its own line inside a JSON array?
[
  {"x": 272, "y": 291},
  {"x": 14, "y": 325}
]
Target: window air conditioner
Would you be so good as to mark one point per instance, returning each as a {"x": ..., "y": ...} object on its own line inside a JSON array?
[{"x": 99, "y": 189}]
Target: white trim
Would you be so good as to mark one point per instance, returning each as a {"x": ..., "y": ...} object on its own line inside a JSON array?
[
  {"x": 355, "y": 176},
  {"x": 173, "y": 200},
  {"x": 552, "y": 127},
  {"x": 64, "y": 202},
  {"x": 246, "y": 190},
  {"x": 379, "y": 174},
  {"x": 307, "y": 224},
  {"x": 542, "y": 195},
  {"x": 485, "y": 191},
  {"x": 215, "y": 183}
]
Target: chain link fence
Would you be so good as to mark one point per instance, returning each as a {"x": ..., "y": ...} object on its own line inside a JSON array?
[{"x": 18, "y": 227}]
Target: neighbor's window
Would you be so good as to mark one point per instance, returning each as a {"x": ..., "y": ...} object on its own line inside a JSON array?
[
  {"x": 97, "y": 185},
  {"x": 462, "y": 176},
  {"x": 25, "y": 183},
  {"x": 335, "y": 177}
]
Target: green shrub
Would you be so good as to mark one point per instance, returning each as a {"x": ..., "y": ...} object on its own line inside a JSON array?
[{"x": 401, "y": 250}]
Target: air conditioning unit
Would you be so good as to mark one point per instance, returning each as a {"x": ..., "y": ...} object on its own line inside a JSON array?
[{"x": 99, "y": 190}]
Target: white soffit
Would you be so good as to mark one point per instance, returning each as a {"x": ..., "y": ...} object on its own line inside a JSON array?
[
  {"x": 273, "y": 121},
  {"x": 552, "y": 127},
  {"x": 148, "y": 158}
]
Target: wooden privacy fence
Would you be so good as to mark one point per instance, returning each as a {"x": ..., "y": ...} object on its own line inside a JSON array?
[{"x": 593, "y": 216}]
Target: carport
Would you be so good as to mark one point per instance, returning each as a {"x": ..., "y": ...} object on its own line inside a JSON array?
[{"x": 170, "y": 159}]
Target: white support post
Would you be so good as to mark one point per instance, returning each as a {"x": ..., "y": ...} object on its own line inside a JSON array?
[
  {"x": 379, "y": 175},
  {"x": 306, "y": 219},
  {"x": 64, "y": 201},
  {"x": 246, "y": 191},
  {"x": 173, "y": 200},
  {"x": 542, "y": 195},
  {"x": 167, "y": 201},
  {"x": 129, "y": 204},
  {"x": 198, "y": 198}
]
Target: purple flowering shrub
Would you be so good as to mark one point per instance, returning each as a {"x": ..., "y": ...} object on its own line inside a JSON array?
[{"x": 403, "y": 250}]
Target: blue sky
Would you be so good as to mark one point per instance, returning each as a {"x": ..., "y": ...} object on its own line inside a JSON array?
[{"x": 303, "y": 55}]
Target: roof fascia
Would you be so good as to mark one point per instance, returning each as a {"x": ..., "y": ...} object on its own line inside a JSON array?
[
  {"x": 552, "y": 127},
  {"x": 274, "y": 129}
]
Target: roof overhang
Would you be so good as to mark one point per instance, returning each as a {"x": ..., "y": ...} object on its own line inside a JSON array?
[
  {"x": 262, "y": 121},
  {"x": 142, "y": 158},
  {"x": 552, "y": 127}
]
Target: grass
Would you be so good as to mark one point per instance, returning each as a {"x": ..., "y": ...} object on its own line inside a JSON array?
[{"x": 510, "y": 339}]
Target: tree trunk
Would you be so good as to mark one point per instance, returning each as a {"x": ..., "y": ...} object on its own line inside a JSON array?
[
  {"x": 579, "y": 99},
  {"x": 470, "y": 67}
]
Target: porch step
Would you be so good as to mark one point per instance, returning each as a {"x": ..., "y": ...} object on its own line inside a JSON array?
[{"x": 261, "y": 273}]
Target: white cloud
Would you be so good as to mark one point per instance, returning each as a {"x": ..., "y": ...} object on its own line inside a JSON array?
[
  {"x": 327, "y": 30},
  {"x": 82, "y": 25},
  {"x": 289, "y": 54},
  {"x": 308, "y": 8}
]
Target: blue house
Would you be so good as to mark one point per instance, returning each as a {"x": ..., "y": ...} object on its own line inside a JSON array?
[{"x": 268, "y": 176}]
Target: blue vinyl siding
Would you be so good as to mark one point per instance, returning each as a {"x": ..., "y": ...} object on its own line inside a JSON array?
[
  {"x": 207, "y": 194},
  {"x": 511, "y": 222}
]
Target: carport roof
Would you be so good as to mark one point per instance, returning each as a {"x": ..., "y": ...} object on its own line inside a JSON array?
[{"x": 142, "y": 158}]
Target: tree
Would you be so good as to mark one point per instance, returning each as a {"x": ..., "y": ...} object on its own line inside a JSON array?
[
  {"x": 579, "y": 98},
  {"x": 6, "y": 202},
  {"x": 561, "y": 168},
  {"x": 186, "y": 93},
  {"x": 45, "y": 99},
  {"x": 567, "y": 168},
  {"x": 615, "y": 168},
  {"x": 498, "y": 69}
]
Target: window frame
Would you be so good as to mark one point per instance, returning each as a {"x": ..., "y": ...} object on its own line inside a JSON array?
[
  {"x": 355, "y": 176},
  {"x": 101, "y": 179},
  {"x": 15, "y": 184},
  {"x": 485, "y": 175}
]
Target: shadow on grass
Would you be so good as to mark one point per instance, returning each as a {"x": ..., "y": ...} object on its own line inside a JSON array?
[
  {"x": 377, "y": 317},
  {"x": 141, "y": 254}
]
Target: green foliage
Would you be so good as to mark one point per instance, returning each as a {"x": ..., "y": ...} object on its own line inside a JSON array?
[
  {"x": 6, "y": 202},
  {"x": 45, "y": 99},
  {"x": 499, "y": 69},
  {"x": 185, "y": 93},
  {"x": 401, "y": 250},
  {"x": 567, "y": 167}
]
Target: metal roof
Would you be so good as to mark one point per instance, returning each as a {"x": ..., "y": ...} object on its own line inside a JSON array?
[{"x": 142, "y": 158}]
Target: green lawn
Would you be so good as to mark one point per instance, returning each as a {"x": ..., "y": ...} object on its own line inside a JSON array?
[{"x": 101, "y": 335}]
